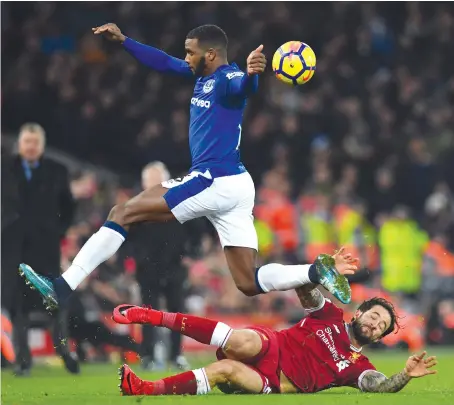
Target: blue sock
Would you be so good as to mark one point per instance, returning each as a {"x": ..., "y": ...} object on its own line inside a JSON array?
[
  {"x": 62, "y": 289},
  {"x": 257, "y": 284},
  {"x": 313, "y": 275}
]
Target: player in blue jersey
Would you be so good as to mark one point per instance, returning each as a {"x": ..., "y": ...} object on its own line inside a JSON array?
[{"x": 217, "y": 186}]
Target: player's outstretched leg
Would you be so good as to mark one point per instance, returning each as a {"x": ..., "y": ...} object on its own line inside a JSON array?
[
  {"x": 147, "y": 206},
  {"x": 196, "y": 382},
  {"x": 278, "y": 277},
  {"x": 238, "y": 344}
]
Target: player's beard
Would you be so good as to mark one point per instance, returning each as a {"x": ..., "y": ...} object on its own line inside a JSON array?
[
  {"x": 356, "y": 325},
  {"x": 200, "y": 68}
]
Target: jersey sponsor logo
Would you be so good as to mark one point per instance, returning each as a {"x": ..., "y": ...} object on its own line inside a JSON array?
[
  {"x": 200, "y": 103},
  {"x": 232, "y": 75},
  {"x": 208, "y": 86},
  {"x": 336, "y": 328},
  {"x": 342, "y": 365},
  {"x": 326, "y": 336}
]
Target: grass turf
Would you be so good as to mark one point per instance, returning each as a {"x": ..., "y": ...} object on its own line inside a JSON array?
[{"x": 97, "y": 385}]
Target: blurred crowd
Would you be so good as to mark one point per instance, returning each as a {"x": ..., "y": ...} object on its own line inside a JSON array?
[{"x": 362, "y": 156}]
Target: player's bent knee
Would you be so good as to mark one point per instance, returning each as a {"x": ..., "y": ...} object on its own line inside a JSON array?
[
  {"x": 243, "y": 344},
  {"x": 224, "y": 369},
  {"x": 117, "y": 214},
  {"x": 248, "y": 287}
]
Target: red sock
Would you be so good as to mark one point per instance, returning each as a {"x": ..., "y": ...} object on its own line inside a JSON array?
[
  {"x": 203, "y": 330},
  {"x": 180, "y": 384}
]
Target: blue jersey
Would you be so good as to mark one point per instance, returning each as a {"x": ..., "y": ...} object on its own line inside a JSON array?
[{"x": 216, "y": 111}]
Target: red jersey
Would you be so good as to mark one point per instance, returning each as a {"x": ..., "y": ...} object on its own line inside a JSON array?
[{"x": 316, "y": 354}]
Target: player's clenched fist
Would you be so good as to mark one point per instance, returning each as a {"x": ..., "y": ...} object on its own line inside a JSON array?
[
  {"x": 256, "y": 62},
  {"x": 110, "y": 31}
]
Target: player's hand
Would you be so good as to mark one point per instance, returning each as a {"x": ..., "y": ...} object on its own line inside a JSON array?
[
  {"x": 345, "y": 263},
  {"x": 256, "y": 62},
  {"x": 418, "y": 366},
  {"x": 110, "y": 31}
]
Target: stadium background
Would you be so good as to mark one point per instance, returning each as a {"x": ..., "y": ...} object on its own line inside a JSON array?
[{"x": 362, "y": 156}]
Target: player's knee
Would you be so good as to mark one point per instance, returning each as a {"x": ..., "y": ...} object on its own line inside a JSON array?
[
  {"x": 248, "y": 287},
  {"x": 117, "y": 214},
  {"x": 225, "y": 369},
  {"x": 122, "y": 213},
  {"x": 243, "y": 344}
]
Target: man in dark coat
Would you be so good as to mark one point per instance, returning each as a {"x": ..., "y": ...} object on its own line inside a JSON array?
[{"x": 37, "y": 209}]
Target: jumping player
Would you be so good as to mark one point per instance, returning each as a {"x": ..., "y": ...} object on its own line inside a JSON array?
[
  {"x": 217, "y": 186},
  {"x": 319, "y": 352}
]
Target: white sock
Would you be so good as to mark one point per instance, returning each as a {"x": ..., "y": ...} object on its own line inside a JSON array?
[
  {"x": 221, "y": 335},
  {"x": 279, "y": 277},
  {"x": 101, "y": 246},
  {"x": 203, "y": 386}
]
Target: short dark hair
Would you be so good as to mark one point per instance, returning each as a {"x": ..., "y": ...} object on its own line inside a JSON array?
[
  {"x": 210, "y": 36},
  {"x": 368, "y": 304}
]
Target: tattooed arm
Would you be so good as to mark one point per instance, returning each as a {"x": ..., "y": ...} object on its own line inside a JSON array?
[
  {"x": 374, "y": 381},
  {"x": 309, "y": 296},
  {"x": 416, "y": 366}
]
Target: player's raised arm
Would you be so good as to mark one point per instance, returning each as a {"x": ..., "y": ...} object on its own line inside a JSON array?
[
  {"x": 148, "y": 55},
  {"x": 310, "y": 297},
  {"x": 416, "y": 366},
  {"x": 240, "y": 84}
]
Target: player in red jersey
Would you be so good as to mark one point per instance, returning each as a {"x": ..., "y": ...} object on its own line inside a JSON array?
[{"x": 320, "y": 352}]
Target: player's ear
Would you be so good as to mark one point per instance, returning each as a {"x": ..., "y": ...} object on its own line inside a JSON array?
[
  {"x": 357, "y": 313},
  {"x": 210, "y": 54}
]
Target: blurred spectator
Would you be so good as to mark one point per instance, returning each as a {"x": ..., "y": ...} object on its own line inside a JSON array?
[
  {"x": 417, "y": 176},
  {"x": 37, "y": 209},
  {"x": 437, "y": 270},
  {"x": 402, "y": 243},
  {"x": 158, "y": 250},
  {"x": 384, "y": 197}
]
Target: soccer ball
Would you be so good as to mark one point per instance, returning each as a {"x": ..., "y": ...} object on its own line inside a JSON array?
[{"x": 294, "y": 63}]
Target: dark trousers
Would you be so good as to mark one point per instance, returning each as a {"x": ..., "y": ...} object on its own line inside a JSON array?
[
  {"x": 152, "y": 289},
  {"x": 20, "y": 301},
  {"x": 99, "y": 334},
  {"x": 59, "y": 328}
]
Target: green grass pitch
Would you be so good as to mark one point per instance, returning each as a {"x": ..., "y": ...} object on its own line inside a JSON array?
[{"x": 97, "y": 385}]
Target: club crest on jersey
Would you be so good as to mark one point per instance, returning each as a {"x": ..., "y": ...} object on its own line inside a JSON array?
[
  {"x": 354, "y": 357},
  {"x": 208, "y": 86}
]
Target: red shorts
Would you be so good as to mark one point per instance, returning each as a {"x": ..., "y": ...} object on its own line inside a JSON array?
[{"x": 265, "y": 363}]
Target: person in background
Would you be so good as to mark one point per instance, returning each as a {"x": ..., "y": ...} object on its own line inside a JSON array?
[
  {"x": 37, "y": 209},
  {"x": 158, "y": 251}
]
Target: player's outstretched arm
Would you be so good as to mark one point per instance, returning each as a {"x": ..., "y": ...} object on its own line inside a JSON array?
[
  {"x": 416, "y": 366},
  {"x": 148, "y": 55}
]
